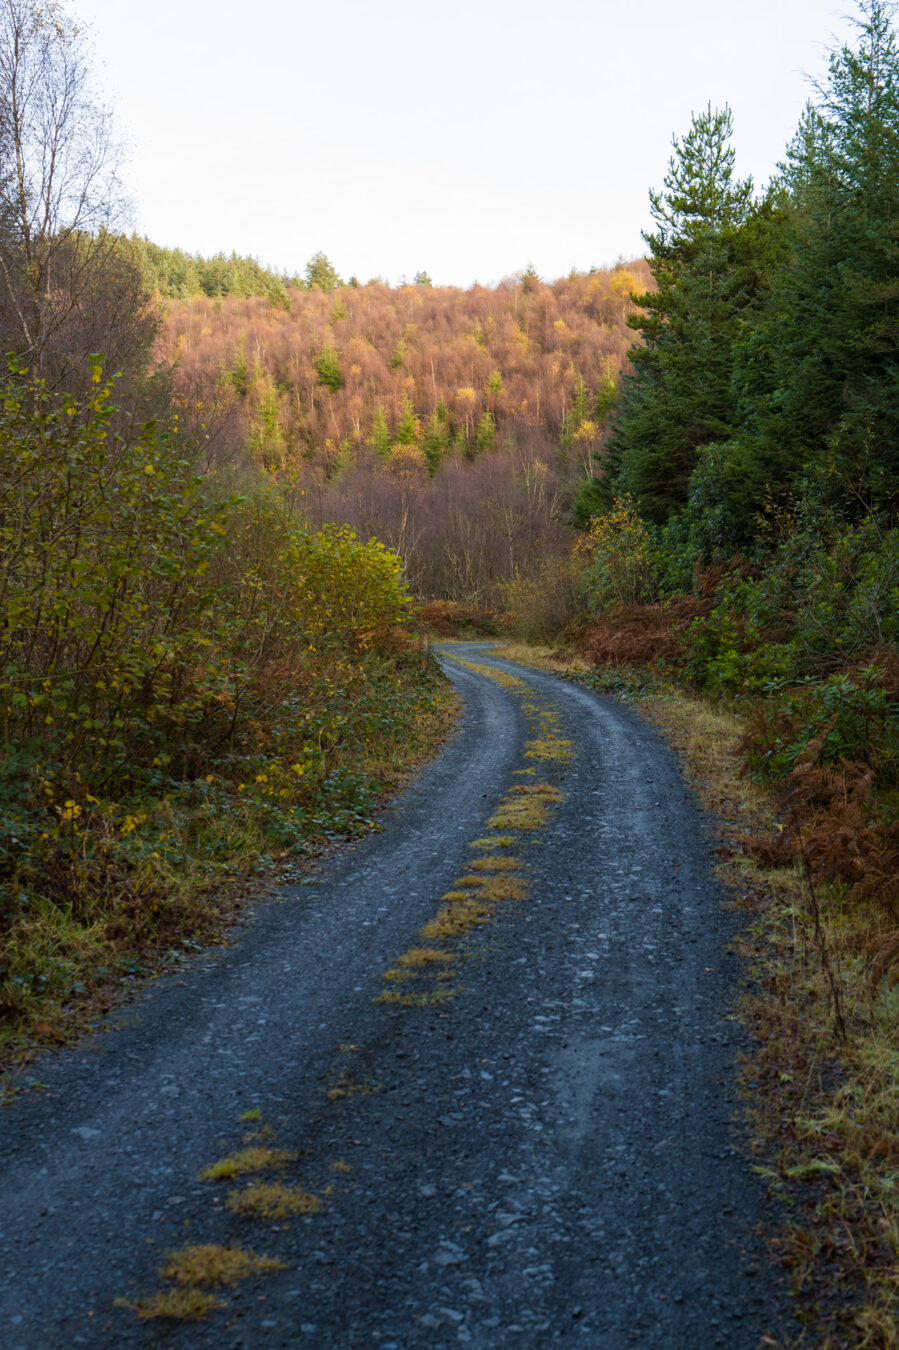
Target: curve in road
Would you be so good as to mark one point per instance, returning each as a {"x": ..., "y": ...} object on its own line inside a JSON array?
[{"x": 489, "y": 1052}]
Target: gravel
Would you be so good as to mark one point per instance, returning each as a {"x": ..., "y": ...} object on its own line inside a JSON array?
[{"x": 553, "y": 1157}]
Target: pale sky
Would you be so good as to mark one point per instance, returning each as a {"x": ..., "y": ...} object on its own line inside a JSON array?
[{"x": 463, "y": 138}]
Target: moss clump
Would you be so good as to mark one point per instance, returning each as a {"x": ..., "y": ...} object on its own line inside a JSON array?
[
  {"x": 208, "y": 1264},
  {"x": 454, "y": 919},
  {"x": 248, "y": 1160},
  {"x": 494, "y": 864},
  {"x": 270, "y": 1200},
  {"x": 181, "y": 1305}
]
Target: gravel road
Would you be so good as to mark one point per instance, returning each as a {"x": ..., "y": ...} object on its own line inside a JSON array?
[{"x": 532, "y": 1143}]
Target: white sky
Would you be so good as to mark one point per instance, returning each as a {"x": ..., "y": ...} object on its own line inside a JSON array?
[{"x": 463, "y": 137}]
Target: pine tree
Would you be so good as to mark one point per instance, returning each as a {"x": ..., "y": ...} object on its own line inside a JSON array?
[
  {"x": 320, "y": 272},
  {"x": 436, "y": 440},
  {"x": 827, "y": 387},
  {"x": 408, "y": 431},
  {"x": 327, "y": 365},
  {"x": 380, "y": 433},
  {"x": 680, "y": 396}
]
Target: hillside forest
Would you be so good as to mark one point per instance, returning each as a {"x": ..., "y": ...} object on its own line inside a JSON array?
[{"x": 235, "y": 503}]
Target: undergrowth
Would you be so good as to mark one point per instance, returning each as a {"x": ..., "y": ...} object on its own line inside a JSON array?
[{"x": 194, "y": 688}]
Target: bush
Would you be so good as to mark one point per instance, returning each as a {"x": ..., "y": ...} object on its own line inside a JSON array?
[
  {"x": 621, "y": 568},
  {"x": 187, "y": 679},
  {"x": 543, "y": 600}
]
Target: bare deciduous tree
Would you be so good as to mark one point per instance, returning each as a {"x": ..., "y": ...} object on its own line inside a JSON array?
[{"x": 60, "y": 200}]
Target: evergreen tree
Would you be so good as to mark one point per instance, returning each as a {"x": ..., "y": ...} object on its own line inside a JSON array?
[
  {"x": 327, "y": 364},
  {"x": 486, "y": 432},
  {"x": 821, "y": 373},
  {"x": 436, "y": 440},
  {"x": 680, "y": 395},
  {"x": 321, "y": 272},
  {"x": 380, "y": 433},
  {"x": 409, "y": 428}
]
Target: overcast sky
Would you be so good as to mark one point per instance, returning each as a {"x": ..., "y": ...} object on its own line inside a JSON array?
[{"x": 465, "y": 137}]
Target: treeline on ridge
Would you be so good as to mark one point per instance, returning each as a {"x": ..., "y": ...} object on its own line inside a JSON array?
[{"x": 452, "y": 424}]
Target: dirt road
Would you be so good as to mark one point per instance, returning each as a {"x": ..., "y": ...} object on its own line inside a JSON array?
[{"x": 524, "y": 1136}]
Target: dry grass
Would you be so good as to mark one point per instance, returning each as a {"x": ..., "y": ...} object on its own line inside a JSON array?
[
  {"x": 495, "y": 864},
  {"x": 248, "y": 1160},
  {"x": 178, "y": 1305},
  {"x": 455, "y": 919},
  {"x": 491, "y": 673},
  {"x": 526, "y": 807},
  {"x": 215, "y": 1266},
  {"x": 417, "y": 958},
  {"x": 551, "y": 659},
  {"x": 519, "y": 814},
  {"x": 496, "y": 888},
  {"x": 417, "y": 998},
  {"x": 271, "y": 1200}
]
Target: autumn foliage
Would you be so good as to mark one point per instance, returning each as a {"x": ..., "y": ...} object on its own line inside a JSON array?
[
  {"x": 189, "y": 677},
  {"x": 338, "y": 371},
  {"x": 453, "y": 425}
]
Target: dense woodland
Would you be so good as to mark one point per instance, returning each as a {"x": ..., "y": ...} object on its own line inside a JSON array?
[
  {"x": 453, "y": 425},
  {"x": 752, "y": 470}
]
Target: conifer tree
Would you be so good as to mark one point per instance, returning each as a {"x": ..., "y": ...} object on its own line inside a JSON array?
[
  {"x": 680, "y": 396},
  {"x": 321, "y": 272},
  {"x": 436, "y": 440},
  {"x": 822, "y": 371}
]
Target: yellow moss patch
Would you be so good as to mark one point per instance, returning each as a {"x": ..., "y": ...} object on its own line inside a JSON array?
[
  {"x": 526, "y": 807},
  {"x": 549, "y": 747},
  {"x": 208, "y": 1264},
  {"x": 546, "y": 790},
  {"x": 499, "y": 888},
  {"x": 259, "y": 1136},
  {"x": 491, "y": 673},
  {"x": 251, "y": 1115},
  {"x": 248, "y": 1160},
  {"x": 417, "y": 998},
  {"x": 496, "y": 840},
  {"x": 455, "y": 919},
  {"x": 181, "y": 1305},
  {"x": 491, "y": 864},
  {"x": 520, "y": 815},
  {"x": 419, "y": 957},
  {"x": 340, "y": 1166},
  {"x": 269, "y": 1200}
]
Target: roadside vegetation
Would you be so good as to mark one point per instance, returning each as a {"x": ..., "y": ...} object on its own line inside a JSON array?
[
  {"x": 221, "y": 485},
  {"x": 194, "y": 683}
]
